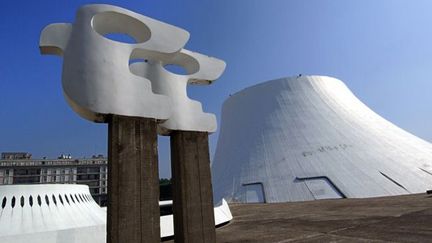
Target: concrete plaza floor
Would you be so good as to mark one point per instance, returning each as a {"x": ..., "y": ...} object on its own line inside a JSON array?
[{"x": 395, "y": 219}]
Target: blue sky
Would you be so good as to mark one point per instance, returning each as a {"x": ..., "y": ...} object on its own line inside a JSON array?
[{"x": 381, "y": 49}]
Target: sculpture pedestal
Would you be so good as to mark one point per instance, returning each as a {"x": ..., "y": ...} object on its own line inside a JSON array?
[
  {"x": 133, "y": 180},
  {"x": 192, "y": 188}
]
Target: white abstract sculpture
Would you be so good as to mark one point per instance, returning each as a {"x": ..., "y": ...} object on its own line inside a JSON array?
[
  {"x": 187, "y": 114},
  {"x": 97, "y": 79},
  {"x": 103, "y": 82}
]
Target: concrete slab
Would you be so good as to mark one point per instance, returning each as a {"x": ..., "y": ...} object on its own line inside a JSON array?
[{"x": 396, "y": 219}]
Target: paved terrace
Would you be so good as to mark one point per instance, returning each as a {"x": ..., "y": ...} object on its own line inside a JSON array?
[{"x": 396, "y": 219}]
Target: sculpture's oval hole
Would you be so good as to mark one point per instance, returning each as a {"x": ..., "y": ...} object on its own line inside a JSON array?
[
  {"x": 22, "y": 201},
  {"x": 120, "y": 27},
  {"x": 135, "y": 60},
  {"x": 177, "y": 69},
  {"x": 71, "y": 197},
  {"x": 31, "y": 201},
  {"x": 67, "y": 200},
  {"x": 182, "y": 64},
  {"x": 39, "y": 200},
  {"x": 120, "y": 37}
]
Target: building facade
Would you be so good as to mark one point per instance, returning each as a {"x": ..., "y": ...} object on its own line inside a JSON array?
[
  {"x": 16, "y": 169},
  {"x": 309, "y": 137},
  {"x": 15, "y": 155}
]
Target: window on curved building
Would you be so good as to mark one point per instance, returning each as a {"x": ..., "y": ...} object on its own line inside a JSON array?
[
  {"x": 13, "y": 202},
  {"x": 54, "y": 200},
  {"x": 4, "y": 202},
  {"x": 61, "y": 199},
  {"x": 254, "y": 193}
]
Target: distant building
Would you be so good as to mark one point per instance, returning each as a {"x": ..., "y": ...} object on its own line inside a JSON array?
[
  {"x": 19, "y": 168},
  {"x": 15, "y": 155}
]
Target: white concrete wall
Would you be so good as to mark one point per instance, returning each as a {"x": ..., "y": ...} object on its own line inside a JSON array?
[{"x": 309, "y": 137}]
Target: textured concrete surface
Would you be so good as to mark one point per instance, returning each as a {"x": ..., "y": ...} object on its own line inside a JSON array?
[
  {"x": 133, "y": 180},
  {"x": 396, "y": 219},
  {"x": 192, "y": 190}
]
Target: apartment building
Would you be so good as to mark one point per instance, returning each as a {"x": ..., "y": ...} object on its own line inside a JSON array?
[{"x": 20, "y": 168}]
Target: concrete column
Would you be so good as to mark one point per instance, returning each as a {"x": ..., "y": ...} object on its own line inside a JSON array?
[
  {"x": 192, "y": 188},
  {"x": 133, "y": 181}
]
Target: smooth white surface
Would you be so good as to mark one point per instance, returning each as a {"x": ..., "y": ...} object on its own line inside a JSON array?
[
  {"x": 78, "y": 221},
  {"x": 187, "y": 114},
  {"x": 309, "y": 137},
  {"x": 97, "y": 80},
  {"x": 53, "y": 222}
]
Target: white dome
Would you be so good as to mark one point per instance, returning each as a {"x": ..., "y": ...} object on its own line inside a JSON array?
[
  {"x": 309, "y": 137},
  {"x": 50, "y": 213}
]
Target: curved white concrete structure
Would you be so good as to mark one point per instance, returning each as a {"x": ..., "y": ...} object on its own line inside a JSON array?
[
  {"x": 50, "y": 213},
  {"x": 65, "y": 213},
  {"x": 97, "y": 80},
  {"x": 309, "y": 137},
  {"x": 187, "y": 114},
  {"x": 222, "y": 216}
]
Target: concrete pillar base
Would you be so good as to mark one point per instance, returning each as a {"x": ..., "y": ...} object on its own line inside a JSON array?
[
  {"x": 192, "y": 188},
  {"x": 133, "y": 180}
]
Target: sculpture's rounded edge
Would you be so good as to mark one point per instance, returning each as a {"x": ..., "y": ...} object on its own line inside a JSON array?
[{"x": 160, "y": 41}]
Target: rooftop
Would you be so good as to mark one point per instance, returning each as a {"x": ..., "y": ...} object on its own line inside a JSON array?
[{"x": 400, "y": 218}]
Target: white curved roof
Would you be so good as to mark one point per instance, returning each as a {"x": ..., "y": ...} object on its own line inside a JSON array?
[
  {"x": 64, "y": 213},
  {"x": 50, "y": 213},
  {"x": 308, "y": 137}
]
